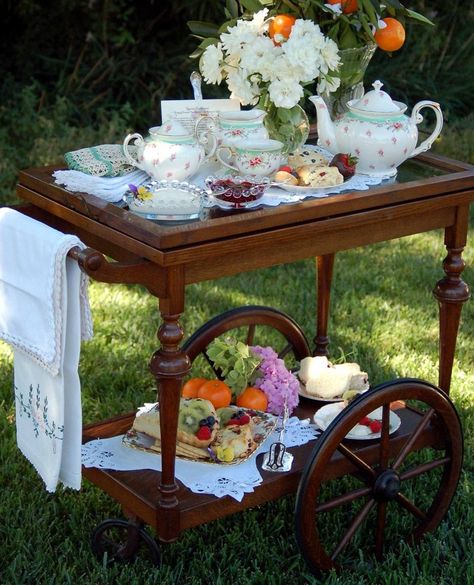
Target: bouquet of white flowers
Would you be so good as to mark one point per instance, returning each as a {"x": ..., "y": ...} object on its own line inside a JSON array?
[{"x": 272, "y": 72}]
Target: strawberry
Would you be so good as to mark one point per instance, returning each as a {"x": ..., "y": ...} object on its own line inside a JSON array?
[
  {"x": 365, "y": 421},
  {"x": 345, "y": 164},
  {"x": 204, "y": 433},
  {"x": 375, "y": 426},
  {"x": 285, "y": 168}
]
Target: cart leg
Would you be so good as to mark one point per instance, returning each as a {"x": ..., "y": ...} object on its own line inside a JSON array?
[
  {"x": 325, "y": 265},
  {"x": 451, "y": 292},
  {"x": 169, "y": 365}
]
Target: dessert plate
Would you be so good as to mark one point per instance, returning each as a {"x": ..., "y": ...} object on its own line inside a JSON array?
[
  {"x": 302, "y": 392},
  {"x": 326, "y": 414},
  {"x": 318, "y": 192},
  {"x": 263, "y": 425}
]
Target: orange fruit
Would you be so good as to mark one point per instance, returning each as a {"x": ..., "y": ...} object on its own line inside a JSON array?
[
  {"x": 347, "y": 6},
  {"x": 216, "y": 392},
  {"x": 392, "y": 37},
  {"x": 191, "y": 387},
  {"x": 253, "y": 398},
  {"x": 281, "y": 25}
]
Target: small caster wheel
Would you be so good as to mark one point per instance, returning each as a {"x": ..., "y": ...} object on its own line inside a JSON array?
[{"x": 118, "y": 541}]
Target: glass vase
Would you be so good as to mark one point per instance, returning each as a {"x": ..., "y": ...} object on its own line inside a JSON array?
[
  {"x": 288, "y": 125},
  {"x": 353, "y": 66}
]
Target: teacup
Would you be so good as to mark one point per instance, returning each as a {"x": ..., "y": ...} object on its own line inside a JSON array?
[{"x": 256, "y": 158}]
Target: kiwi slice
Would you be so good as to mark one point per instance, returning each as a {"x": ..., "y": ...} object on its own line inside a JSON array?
[{"x": 190, "y": 413}]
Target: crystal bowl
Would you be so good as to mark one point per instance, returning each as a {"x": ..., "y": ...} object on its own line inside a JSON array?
[{"x": 236, "y": 192}]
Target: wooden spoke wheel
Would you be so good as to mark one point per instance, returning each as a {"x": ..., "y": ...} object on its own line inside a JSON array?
[
  {"x": 355, "y": 494},
  {"x": 254, "y": 325},
  {"x": 118, "y": 541}
]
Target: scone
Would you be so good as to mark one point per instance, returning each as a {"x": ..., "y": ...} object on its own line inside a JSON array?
[
  {"x": 194, "y": 413},
  {"x": 306, "y": 157},
  {"x": 238, "y": 438},
  {"x": 316, "y": 176}
]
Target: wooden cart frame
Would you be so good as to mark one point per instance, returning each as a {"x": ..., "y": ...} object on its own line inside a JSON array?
[{"x": 431, "y": 192}]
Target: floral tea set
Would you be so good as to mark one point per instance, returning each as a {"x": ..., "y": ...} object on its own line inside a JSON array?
[{"x": 372, "y": 138}]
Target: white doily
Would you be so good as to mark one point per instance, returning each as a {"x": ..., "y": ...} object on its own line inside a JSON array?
[{"x": 204, "y": 478}]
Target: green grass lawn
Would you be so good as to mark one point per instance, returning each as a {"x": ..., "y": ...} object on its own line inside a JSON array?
[{"x": 383, "y": 316}]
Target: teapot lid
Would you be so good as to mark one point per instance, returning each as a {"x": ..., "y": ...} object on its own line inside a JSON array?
[
  {"x": 170, "y": 128},
  {"x": 377, "y": 101}
]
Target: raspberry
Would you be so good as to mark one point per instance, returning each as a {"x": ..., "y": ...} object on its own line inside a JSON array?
[
  {"x": 365, "y": 421},
  {"x": 375, "y": 426},
  {"x": 204, "y": 433},
  {"x": 244, "y": 419},
  {"x": 285, "y": 168}
]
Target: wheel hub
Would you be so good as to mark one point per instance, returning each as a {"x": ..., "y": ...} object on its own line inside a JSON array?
[{"x": 387, "y": 485}]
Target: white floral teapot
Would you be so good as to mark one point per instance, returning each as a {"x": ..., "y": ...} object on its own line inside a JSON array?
[
  {"x": 376, "y": 131},
  {"x": 170, "y": 152}
]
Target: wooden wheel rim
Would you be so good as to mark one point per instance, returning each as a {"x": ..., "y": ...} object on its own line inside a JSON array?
[{"x": 309, "y": 488}]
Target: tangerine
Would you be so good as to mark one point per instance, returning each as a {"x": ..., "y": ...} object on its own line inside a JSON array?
[
  {"x": 347, "y": 6},
  {"x": 253, "y": 398},
  {"x": 280, "y": 27},
  {"x": 216, "y": 392},
  {"x": 191, "y": 387},
  {"x": 392, "y": 37}
]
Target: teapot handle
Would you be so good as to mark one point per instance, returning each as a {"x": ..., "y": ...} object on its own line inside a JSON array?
[
  {"x": 138, "y": 141},
  {"x": 416, "y": 118},
  {"x": 206, "y": 136}
]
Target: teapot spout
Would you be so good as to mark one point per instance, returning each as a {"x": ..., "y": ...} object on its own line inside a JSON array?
[{"x": 326, "y": 133}]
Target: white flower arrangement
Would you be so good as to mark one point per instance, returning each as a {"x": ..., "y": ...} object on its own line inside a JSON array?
[{"x": 256, "y": 68}]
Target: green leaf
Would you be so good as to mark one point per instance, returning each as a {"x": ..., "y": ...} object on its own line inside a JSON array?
[
  {"x": 369, "y": 9},
  {"x": 232, "y": 8},
  {"x": 251, "y": 5},
  {"x": 419, "y": 17},
  {"x": 203, "y": 29},
  {"x": 366, "y": 27},
  {"x": 394, "y": 4}
]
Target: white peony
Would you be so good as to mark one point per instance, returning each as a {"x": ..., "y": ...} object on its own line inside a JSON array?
[
  {"x": 259, "y": 52},
  {"x": 285, "y": 94},
  {"x": 236, "y": 37},
  {"x": 328, "y": 84},
  {"x": 210, "y": 64},
  {"x": 304, "y": 47},
  {"x": 241, "y": 88},
  {"x": 330, "y": 56},
  {"x": 258, "y": 22}
]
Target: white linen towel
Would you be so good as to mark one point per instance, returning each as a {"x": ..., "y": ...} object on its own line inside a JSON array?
[
  {"x": 44, "y": 312},
  {"x": 109, "y": 189}
]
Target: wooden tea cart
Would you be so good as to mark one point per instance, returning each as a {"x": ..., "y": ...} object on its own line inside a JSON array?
[{"x": 430, "y": 192}]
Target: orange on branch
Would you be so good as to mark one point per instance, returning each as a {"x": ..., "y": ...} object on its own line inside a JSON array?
[
  {"x": 216, "y": 392},
  {"x": 280, "y": 27},
  {"x": 191, "y": 387},
  {"x": 347, "y": 6},
  {"x": 253, "y": 398},
  {"x": 392, "y": 37}
]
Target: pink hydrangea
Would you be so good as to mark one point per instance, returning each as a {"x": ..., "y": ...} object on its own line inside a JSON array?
[{"x": 276, "y": 381}]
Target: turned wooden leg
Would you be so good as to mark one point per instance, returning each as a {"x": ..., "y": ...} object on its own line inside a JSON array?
[
  {"x": 324, "y": 265},
  {"x": 169, "y": 365},
  {"x": 451, "y": 292}
]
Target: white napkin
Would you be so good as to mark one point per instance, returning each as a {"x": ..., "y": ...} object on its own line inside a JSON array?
[
  {"x": 44, "y": 311},
  {"x": 110, "y": 189}
]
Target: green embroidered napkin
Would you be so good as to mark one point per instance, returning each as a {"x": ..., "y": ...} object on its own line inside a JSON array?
[{"x": 105, "y": 160}]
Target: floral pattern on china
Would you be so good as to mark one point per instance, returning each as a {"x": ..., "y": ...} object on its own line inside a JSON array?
[
  {"x": 170, "y": 152},
  {"x": 376, "y": 130}
]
